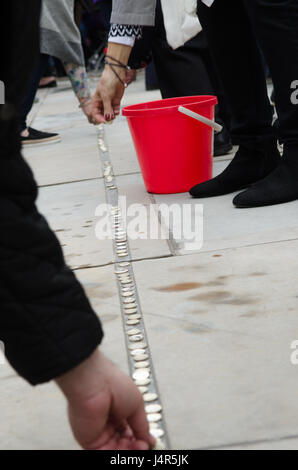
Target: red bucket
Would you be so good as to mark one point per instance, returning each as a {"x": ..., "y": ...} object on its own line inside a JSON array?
[{"x": 175, "y": 152}]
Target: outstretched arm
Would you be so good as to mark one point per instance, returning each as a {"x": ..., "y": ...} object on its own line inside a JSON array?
[{"x": 110, "y": 89}]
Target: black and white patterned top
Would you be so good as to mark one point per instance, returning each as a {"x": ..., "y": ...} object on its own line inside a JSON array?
[{"x": 123, "y": 30}]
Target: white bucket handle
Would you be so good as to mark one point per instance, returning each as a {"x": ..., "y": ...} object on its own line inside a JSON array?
[{"x": 217, "y": 127}]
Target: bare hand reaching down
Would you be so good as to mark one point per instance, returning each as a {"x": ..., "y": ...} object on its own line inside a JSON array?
[
  {"x": 106, "y": 409},
  {"x": 110, "y": 89}
]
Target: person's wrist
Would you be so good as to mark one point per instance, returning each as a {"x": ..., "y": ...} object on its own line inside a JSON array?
[
  {"x": 85, "y": 380},
  {"x": 111, "y": 77},
  {"x": 120, "y": 52}
]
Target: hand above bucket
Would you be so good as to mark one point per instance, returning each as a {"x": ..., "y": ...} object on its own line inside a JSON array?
[{"x": 110, "y": 89}]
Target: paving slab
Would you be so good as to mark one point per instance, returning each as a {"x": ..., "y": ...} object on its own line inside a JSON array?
[
  {"x": 132, "y": 188},
  {"x": 56, "y": 122},
  {"x": 70, "y": 211},
  {"x": 121, "y": 149},
  {"x": 75, "y": 158},
  {"x": 101, "y": 288},
  {"x": 282, "y": 444},
  {"x": 226, "y": 227},
  {"x": 60, "y": 99},
  {"x": 220, "y": 329}
]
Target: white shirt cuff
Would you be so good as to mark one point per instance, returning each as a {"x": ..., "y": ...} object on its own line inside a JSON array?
[{"x": 126, "y": 40}]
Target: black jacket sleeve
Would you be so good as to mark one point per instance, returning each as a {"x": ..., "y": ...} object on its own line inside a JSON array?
[{"x": 46, "y": 322}]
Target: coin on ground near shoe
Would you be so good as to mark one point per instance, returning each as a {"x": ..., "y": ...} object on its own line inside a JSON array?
[
  {"x": 159, "y": 445},
  {"x": 140, "y": 345},
  {"x": 141, "y": 374},
  {"x": 154, "y": 417},
  {"x": 142, "y": 365},
  {"x": 150, "y": 397},
  {"x": 136, "y": 338},
  {"x": 143, "y": 389},
  {"x": 153, "y": 408},
  {"x": 137, "y": 351},
  {"x": 130, "y": 311},
  {"x": 132, "y": 322},
  {"x": 142, "y": 382},
  {"x": 153, "y": 425},
  {"x": 135, "y": 316},
  {"x": 156, "y": 432},
  {"x": 133, "y": 331},
  {"x": 140, "y": 357}
]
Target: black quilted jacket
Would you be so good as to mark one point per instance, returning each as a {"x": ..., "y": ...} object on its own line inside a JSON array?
[{"x": 46, "y": 321}]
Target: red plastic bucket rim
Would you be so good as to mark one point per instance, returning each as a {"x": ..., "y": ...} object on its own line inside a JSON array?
[{"x": 167, "y": 105}]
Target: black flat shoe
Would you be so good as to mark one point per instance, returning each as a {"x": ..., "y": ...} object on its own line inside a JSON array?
[
  {"x": 251, "y": 163},
  {"x": 279, "y": 187},
  {"x": 40, "y": 137}
]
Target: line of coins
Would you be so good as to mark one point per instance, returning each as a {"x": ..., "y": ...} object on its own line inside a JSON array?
[
  {"x": 108, "y": 169},
  {"x": 136, "y": 343},
  {"x": 138, "y": 350}
]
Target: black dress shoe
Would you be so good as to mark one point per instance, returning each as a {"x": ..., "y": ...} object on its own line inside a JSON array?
[
  {"x": 280, "y": 186},
  {"x": 222, "y": 143},
  {"x": 251, "y": 163}
]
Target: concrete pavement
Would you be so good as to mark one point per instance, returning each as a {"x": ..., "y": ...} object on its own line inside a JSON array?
[{"x": 220, "y": 320}]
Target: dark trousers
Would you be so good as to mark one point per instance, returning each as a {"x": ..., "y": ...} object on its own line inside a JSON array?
[
  {"x": 234, "y": 29},
  {"x": 28, "y": 101},
  {"x": 188, "y": 70}
]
